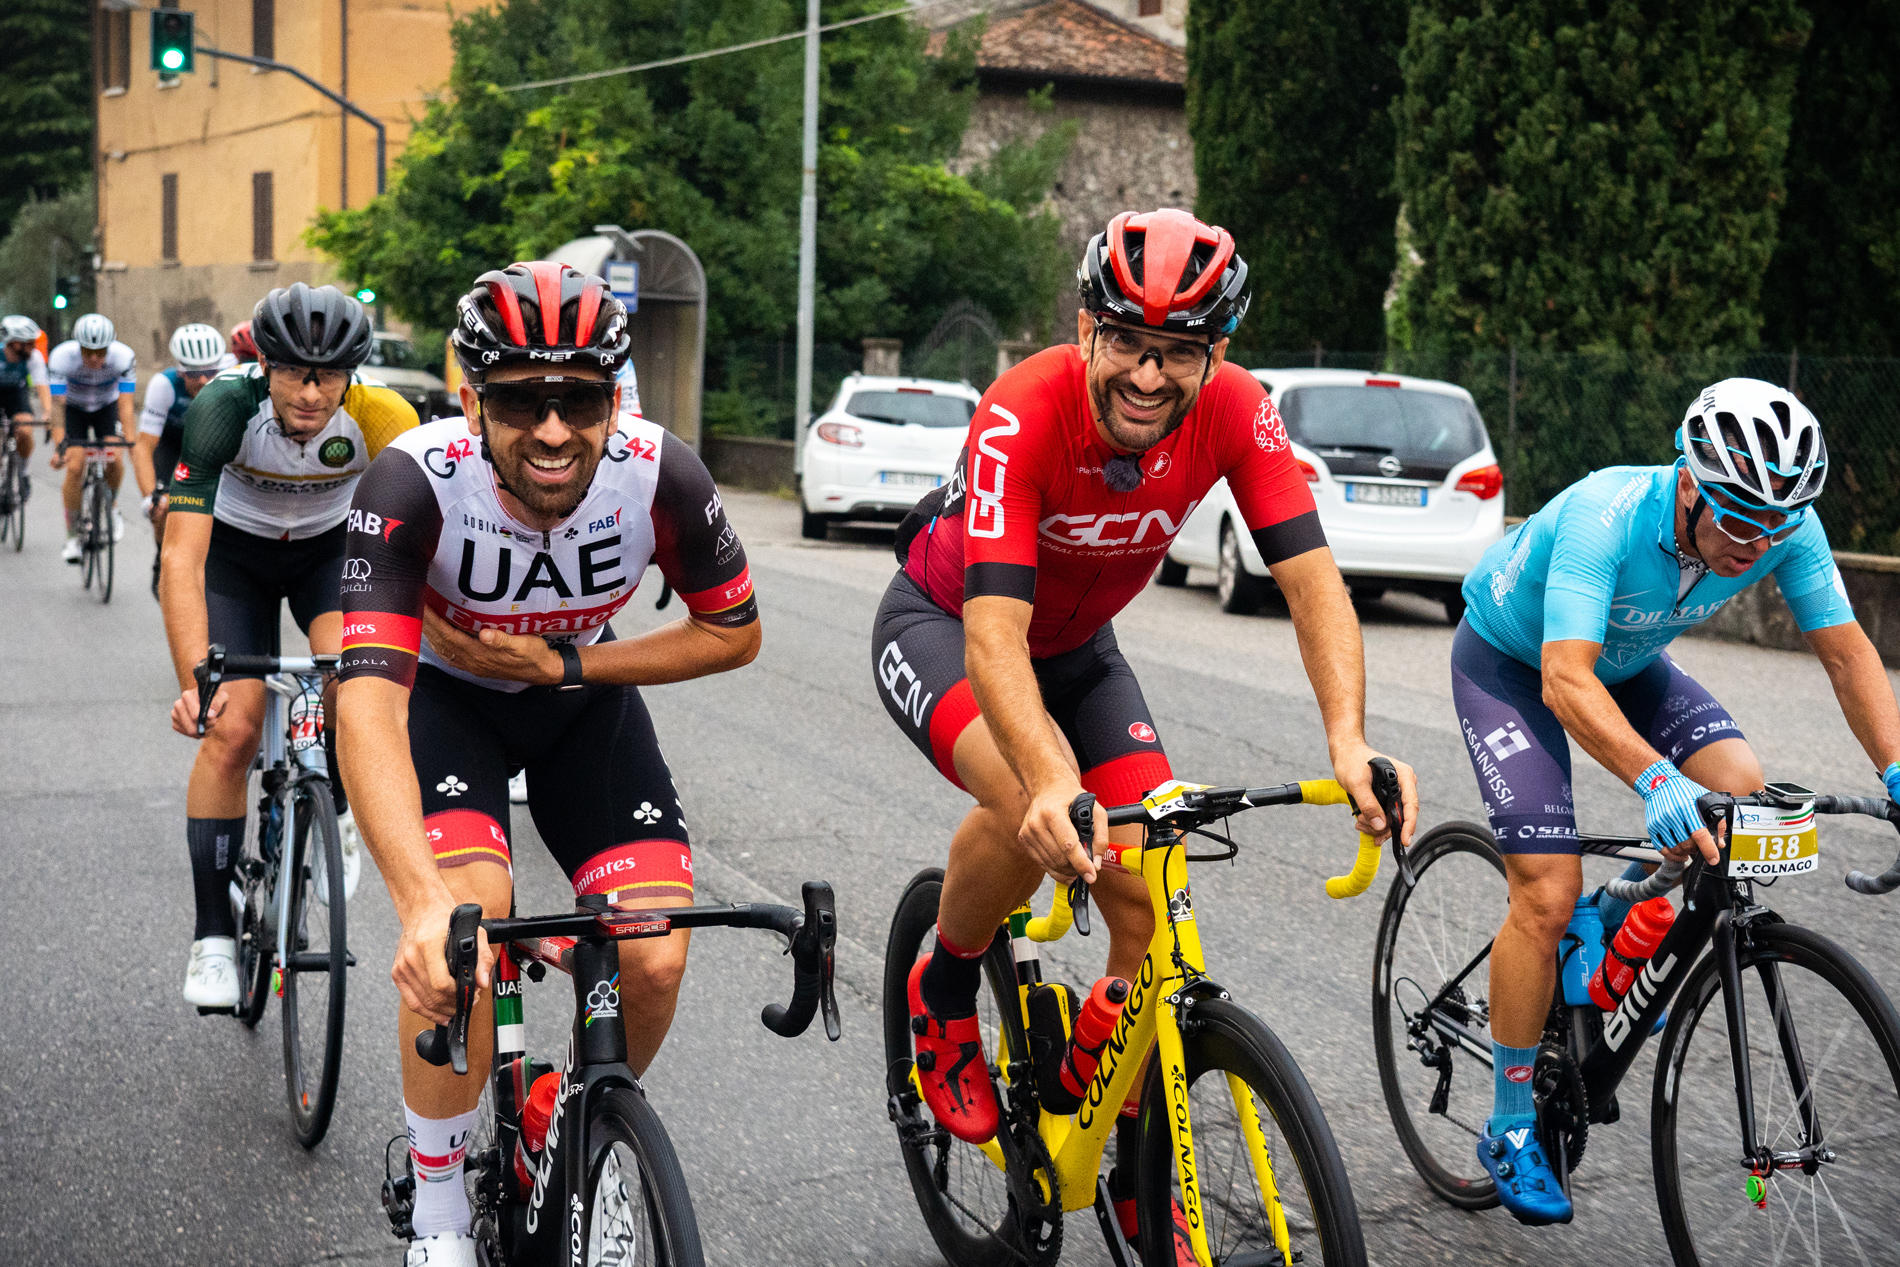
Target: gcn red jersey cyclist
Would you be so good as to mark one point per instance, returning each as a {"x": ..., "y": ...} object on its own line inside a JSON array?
[{"x": 993, "y": 648}]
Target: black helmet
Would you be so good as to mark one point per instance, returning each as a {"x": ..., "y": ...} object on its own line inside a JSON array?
[
  {"x": 1167, "y": 270},
  {"x": 543, "y": 314},
  {"x": 319, "y": 327}
]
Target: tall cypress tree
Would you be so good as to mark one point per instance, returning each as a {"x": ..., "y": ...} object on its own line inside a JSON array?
[
  {"x": 1289, "y": 104},
  {"x": 1581, "y": 174},
  {"x": 45, "y": 99},
  {"x": 1834, "y": 285}
]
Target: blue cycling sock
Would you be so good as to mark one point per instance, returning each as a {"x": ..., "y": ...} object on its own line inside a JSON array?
[
  {"x": 1615, "y": 910},
  {"x": 1511, "y": 1100}
]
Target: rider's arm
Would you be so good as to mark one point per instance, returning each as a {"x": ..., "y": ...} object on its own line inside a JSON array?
[
  {"x": 159, "y": 398},
  {"x": 214, "y": 431},
  {"x": 1583, "y": 704},
  {"x": 142, "y": 447},
  {"x": 380, "y": 414},
  {"x": 1861, "y": 685}
]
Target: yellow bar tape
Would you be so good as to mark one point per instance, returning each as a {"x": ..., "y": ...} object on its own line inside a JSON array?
[
  {"x": 1052, "y": 926},
  {"x": 1366, "y": 869}
]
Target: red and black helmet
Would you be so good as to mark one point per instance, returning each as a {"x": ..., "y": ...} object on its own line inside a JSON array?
[
  {"x": 240, "y": 343},
  {"x": 541, "y": 314},
  {"x": 1167, "y": 270}
]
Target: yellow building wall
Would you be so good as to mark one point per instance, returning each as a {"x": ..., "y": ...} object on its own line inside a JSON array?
[{"x": 225, "y": 121}]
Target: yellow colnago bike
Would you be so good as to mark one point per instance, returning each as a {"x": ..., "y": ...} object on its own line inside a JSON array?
[{"x": 1223, "y": 1105}]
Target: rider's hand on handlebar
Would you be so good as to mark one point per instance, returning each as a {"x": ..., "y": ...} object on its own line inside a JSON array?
[
  {"x": 1350, "y": 768},
  {"x": 1670, "y": 815},
  {"x": 1049, "y": 837},
  {"x": 421, "y": 971},
  {"x": 185, "y": 711}
]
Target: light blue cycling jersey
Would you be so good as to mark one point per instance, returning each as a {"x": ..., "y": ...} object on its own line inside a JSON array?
[{"x": 1599, "y": 564}]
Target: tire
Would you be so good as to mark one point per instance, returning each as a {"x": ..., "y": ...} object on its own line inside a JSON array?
[
  {"x": 1848, "y": 1037},
  {"x": 650, "y": 1220},
  {"x": 964, "y": 1198},
  {"x": 1171, "y": 574},
  {"x": 19, "y": 502},
  {"x": 256, "y": 942},
  {"x": 13, "y": 521},
  {"x": 102, "y": 533},
  {"x": 1367, "y": 593},
  {"x": 1426, "y": 935},
  {"x": 813, "y": 527},
  {"x": 1241, "y": 592},
  {"x": 317, "y": 977},
  {"x": 1315, "y": 1194}
]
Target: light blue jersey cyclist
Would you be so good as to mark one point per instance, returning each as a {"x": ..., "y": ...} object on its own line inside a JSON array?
[{"x": 1566, "y": 626}]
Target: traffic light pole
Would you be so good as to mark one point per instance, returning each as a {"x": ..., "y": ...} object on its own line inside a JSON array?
[{"x": 349, "y": 106}]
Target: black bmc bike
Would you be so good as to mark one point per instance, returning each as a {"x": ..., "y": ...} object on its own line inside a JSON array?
[
  {"x": 1775, "y": 1115},
  {"x": 606, "y": 1187}
]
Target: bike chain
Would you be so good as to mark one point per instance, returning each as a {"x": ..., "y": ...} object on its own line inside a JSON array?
[{"x": 1562, "y": 1103}]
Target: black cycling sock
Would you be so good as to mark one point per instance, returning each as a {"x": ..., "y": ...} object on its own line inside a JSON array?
[
  {"x": 950, "y": 983},
  {"x": 214, "y": 844},
  {"x": 336, "y": 775},
  {"x": 1121, "y": 1180}
]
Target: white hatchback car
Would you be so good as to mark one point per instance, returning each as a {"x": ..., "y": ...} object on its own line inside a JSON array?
[
  {"x": 1408, "y": 489},
  {"x": 884, "y": 443}
]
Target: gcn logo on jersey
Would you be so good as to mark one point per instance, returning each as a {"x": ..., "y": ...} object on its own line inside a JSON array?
[
  {"x": 337, "y": 451},
  {"x": 1142, "y": 731}
]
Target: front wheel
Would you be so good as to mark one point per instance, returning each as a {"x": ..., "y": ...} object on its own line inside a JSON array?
[
  {"x": 1824, "y": 1058},
  {"x": 1272, "y": 1186},
  {"x": 318, "y": 972},
  {"x": 255, "y": 882},
  {"x": 102, "y": 528},
  {"x": 638, "y": 1209},
  {"x": 1240, "y": 591}
]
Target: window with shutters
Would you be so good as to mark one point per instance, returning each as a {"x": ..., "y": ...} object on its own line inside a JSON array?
[
  {"x": 1150, "y": 9},
  {"x": 264, "y": 29},
  {"x": 263, "y": 247},
  {"x": 168, "y": 216},
  {"x": 114, "y": 30}
]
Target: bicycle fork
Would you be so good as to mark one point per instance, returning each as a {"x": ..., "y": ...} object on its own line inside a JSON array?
[{"x": 1757, "y": 1156}]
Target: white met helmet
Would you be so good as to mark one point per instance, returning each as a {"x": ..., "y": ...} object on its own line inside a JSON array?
[
  {"x": 21, "y": 329},
  {"x": 1742, "y": 435},
  {"x": 93, "y": 331},
  {"x": 197, "y": 347}
]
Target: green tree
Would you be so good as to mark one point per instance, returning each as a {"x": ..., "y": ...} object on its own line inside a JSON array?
[
  {"x": 710, "y": 151},
  {"x": 1834, "y": 285},
  {"x": 1289, "y": 103},
  {"x": 46, "y": 100},
  {"x": 1594, "y": 174},
  {"x": 43, "y": 232}
]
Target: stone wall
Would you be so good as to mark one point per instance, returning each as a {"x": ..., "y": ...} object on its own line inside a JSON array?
[{"x": 1760, "y": 615}]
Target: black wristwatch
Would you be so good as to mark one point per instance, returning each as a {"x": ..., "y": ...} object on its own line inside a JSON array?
[{"x": 570, "y": 666}]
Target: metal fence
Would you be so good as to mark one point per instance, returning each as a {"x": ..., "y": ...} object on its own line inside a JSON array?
[
  {"x": 1556, "y": 416},
  {"x": 751, "y": 385}
]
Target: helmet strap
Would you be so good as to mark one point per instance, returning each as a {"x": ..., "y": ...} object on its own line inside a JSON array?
[{"x": 1688, "y": 544}]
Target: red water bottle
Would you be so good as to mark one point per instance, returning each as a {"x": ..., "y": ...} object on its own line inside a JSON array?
[
  {"x": 1643, "y": 930},
  {"x": 1092, "y": 1028},
  {"x": 535, "y": 1116}
]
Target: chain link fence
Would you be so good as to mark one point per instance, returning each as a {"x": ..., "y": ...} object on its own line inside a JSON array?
[
  {"x": 751, "y": 385},
  {"x": 1556, "y": 416}
]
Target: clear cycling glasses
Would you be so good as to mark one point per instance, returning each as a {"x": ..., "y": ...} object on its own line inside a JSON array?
[
  {"x": 523, "y": 403},
  {"x": 1744, "y": 522},
  {"x": 1178, "y": 358}
]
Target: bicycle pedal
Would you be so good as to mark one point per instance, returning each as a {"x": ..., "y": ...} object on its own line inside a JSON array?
[{"x": 217, "y": 1011}]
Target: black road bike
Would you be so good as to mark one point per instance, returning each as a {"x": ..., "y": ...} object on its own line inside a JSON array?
[
  {"x": 1775, "y": 1112},
  {"x": 606, "y": 1187},
  {"x": 288, "y": 897},
  {"x": 96, "y": 503},
  {"x": 13, "y": 489}
]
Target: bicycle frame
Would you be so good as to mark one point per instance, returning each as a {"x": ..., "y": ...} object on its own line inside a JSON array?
[{"x": 298, "y": 676}]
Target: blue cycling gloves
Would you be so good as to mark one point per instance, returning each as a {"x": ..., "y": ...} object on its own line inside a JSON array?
[
  {"x": 1669, "y": 812},
  {"x": 1891, "y": 777}
]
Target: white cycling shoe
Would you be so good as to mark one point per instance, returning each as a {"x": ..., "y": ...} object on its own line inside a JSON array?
[
  {"x": 71, "y": 553},
  {"x": 352, "y": 838},
  {"x": 444, "y": 1249},
  {"x": 211, "y": 978},
  {"x": 118, "y": 525}
]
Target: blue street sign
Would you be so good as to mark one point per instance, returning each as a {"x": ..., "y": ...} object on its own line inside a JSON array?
[{"x": 623, "y": 279}]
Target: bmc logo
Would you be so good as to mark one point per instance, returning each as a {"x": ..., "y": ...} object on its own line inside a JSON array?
[
  {"x": 1102, "y": 531},
  {"x": 1142, "y": 731}
]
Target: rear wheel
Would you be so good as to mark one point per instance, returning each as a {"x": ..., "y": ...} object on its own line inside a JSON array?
[
  {"x": 638, "y": 1209},
  {"x": 1241, "y": 592},
  {"x": 13, "y": 500},
  {"x": 317, "y": 974},
  {"x": 964, "y": 1196},
  {"x": 1438, "y": 1088},
  {"x": 1171, "y": 574},
  {"x": 1238, "y": 1074}
]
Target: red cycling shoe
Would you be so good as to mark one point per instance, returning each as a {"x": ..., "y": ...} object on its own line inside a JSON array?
[
  {"x": 1131, "y": 1231},
  {"x": 950, "y": 1068}
]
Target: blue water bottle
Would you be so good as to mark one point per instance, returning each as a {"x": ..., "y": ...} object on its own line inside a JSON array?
[{"x": 1581, "y": 950}]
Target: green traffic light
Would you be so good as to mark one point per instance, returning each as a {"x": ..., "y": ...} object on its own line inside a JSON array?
[
  {"x": 366, "y": 296},
  {"x": 59, "y": 301},
  {"x": 172, "y": 58}
]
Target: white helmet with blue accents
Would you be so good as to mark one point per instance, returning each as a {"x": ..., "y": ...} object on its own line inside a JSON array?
[{"x": 1754, "y": 440}]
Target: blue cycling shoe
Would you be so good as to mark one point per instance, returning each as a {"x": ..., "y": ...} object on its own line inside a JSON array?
[{"x": 1527, "y": 1184}]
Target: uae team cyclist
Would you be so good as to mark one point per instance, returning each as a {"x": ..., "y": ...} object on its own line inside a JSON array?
[
  {"x": 92, "y": 376},
  {"x": 269, "y": 457},
  {"x": 198, "y": 354},
  {"x": 489, "y": 553},
  {"x": 993, "y": 649}
]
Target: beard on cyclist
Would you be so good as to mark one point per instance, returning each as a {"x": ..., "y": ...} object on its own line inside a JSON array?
[{"x": 546, "y": 437}]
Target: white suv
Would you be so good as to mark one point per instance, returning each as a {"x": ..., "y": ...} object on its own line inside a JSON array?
[
  {"x": 1408, "y": 489},
  {"x": 884, "y": 443}
]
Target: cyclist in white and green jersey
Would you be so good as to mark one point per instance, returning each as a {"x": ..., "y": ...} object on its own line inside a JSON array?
[{"x": 270, "y": 457}]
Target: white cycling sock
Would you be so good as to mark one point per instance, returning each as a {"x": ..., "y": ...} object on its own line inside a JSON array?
[{"x": 436, "y": 1149}]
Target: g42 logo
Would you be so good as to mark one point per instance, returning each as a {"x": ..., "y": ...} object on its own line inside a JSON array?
[{"x": 442, "y": 462}]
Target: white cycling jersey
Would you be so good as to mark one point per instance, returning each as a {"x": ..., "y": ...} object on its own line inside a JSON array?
[{"x": 83, "y": 387}]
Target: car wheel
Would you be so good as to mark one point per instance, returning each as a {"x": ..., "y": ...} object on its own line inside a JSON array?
[
  {"x": 1367, "y": 593},
  {"x": 1240, "y": 591},
  {"x": 1454, "y": 601},
  {"x": 1170, "y": 573},
  {"x": 813, "y": 527}
]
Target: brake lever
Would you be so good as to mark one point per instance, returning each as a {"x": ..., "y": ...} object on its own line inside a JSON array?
[
  {"x": 1385, "y": 787},
  {"x": 822, "y": 917},
  {"x": 448, "y": 1044},
  {"x": 1082, "y": 815},
  {"x": 209, "y": 675}
]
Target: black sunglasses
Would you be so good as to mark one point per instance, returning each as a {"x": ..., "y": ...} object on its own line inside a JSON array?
[{"x": 522, "y": 404}]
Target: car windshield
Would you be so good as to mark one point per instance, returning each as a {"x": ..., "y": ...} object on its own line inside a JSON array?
[
  {"x": 1413, "y": 426},
  {"x": 926, "y": 409},
  {"x": 392, "y": 353}
]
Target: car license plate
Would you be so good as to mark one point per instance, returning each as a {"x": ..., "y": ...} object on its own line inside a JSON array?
[
  {"x": 1770, "y": 841},
  {"x": 907, "y": 479},
  {"x": 1385, "y": 494}
]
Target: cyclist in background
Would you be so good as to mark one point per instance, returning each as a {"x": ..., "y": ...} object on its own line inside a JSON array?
[
  {"x": 241, "y": 345},
  {"x": 271, "y": 454},
  {"x": 91, "y": 377},
  {"x": 1563, "y": 638},
  {"x": 199, "y": 353},
  {"x": 22, "y": 380}
]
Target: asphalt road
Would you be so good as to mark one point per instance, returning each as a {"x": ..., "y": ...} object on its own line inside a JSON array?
[{"x": 136, "y": 1132}]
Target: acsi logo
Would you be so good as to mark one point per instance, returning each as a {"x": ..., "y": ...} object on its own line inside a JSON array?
[
  {"x": 1140, "y": 730},
  {"x": 907, "y": 690}
]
